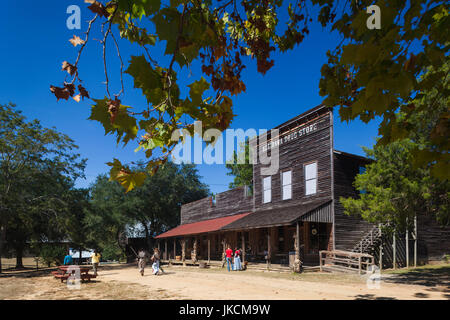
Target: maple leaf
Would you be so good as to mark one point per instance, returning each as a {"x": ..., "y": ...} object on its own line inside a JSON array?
[
  {"x": 76, "y": 40},
  {"x": 97, "y": 7},
  {"x": 83, "y": 92},
  {"x": 77, "y": 98},
  {"x": 113, "y": 108},
  {"x": 71, "y": 69},
  {"x": 60, "y": 93}
]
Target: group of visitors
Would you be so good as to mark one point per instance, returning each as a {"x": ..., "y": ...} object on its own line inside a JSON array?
[
  {"x": 233, "y": 259},
  {"x": 155, "y": 259},
  {"x": 95, "y": 260}
]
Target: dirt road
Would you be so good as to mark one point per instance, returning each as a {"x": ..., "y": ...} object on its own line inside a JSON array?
[
  {"x": 124, "y": 282},
  {"x": 180, "y": 283}
]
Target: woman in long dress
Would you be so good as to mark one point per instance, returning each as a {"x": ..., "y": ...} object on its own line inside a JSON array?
[
  {"x": 141, "y": 261},
  {"x": 155, "y": 259},
  {"x": 237, "y": 260}
]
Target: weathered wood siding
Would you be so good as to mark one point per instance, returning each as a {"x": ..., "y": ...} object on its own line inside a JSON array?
[
  {"x": 433, "y": 239},
  {"x": 348, "y": 230},
  {"x": 228, "y": 203},
  {"x": 294, "y": 154}
]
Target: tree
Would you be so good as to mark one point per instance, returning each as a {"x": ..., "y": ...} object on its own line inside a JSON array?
[
  {"x": 37, "y": 169},
  {"x": 371, "y": 73},
  {"x": 155, "y": 206},
  {"x": 241, "y": 168},
  {"x": 376, "y": 73},
  {"x": 393, "y": 191}
]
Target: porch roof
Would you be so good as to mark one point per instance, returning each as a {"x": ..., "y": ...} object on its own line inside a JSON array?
[
  {"x": 202, "y": 226},
  {"x": 276, "y": 216}
]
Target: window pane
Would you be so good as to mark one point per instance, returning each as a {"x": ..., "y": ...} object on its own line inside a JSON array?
[
  {"x": 311, "y": 186},
  {"x": 266, "y": 183},
  {"x": 287, "y": 192},
  {"x": 286, "y": 178},
  {"x": 311, "y": 171},
  {"x": 267, "y": 196}
]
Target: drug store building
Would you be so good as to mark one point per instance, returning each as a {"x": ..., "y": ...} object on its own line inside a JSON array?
[{"x": 297, "y": 205}]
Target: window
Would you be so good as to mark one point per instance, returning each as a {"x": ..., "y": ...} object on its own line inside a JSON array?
[
  {"x": 248, "y": 190},
  {"x": 311, "y": 178},
  {"x": 267, "y": 189},
  {"x": 286, "y": 179}
]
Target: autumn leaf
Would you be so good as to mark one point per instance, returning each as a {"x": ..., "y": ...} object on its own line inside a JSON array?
[
  {"x": 71, "y": 69},
  {"x": 83, "y": 92},
  {"x": 98, "y": 8},
  {"x": 76, "y": 41},
  {"x": 77, "y": 98},
  {"x": 60, "y": 93}
]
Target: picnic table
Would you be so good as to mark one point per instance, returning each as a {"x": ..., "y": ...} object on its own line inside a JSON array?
[{"x": 64, "y": 272}]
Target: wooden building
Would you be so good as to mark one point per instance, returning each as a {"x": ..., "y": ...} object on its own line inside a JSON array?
[{"x": 298, "y": 205}]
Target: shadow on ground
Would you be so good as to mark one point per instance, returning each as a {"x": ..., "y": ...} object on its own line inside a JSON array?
[
  {"x": 372, "y": 297},
  {"x": 429, "y": 277}
]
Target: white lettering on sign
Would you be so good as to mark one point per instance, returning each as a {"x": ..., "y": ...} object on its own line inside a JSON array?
[{"x": 297, "y": 133}]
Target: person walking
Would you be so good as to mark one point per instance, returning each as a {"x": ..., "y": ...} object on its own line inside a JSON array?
[
  {"x": 155, "y": 260},
  {"x": 95, "y": 260},
  {"x": 229, "y": 257},
  {"x": 141, "y": 261},
  {"x": 237, "y": 260}
]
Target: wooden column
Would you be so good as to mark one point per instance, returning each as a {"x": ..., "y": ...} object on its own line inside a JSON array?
[
  {"x": 194, "y": 251},
  {"x": 297, "y": 263},
  {"x": 407, "y": 243},
  {"x": 268, "y": 248},
  {"x": 174, "y": 248},
  {"x": 394, "y": 250},
  {"x": 415, "y": 241},
  {"x": 243, "y": 246},
  {"x": 209, "y": 249},
  {"x": 183, "y": 251},
  {"x": 165, "y": 251}
]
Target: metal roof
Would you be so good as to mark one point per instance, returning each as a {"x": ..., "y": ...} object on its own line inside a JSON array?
[{"x": 201, "y": 226}]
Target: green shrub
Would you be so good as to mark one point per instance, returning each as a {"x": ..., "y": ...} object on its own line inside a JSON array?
[{"x": 52, "y": 254}]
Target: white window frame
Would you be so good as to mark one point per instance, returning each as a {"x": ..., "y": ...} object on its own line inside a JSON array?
[
  {"x": 309, "y": 180},
  {"x": 267, "y": 189},
  {"x": 286, "y": 188}
]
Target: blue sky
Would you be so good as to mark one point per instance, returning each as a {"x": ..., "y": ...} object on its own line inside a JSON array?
[{"x": 35, "y": 42}]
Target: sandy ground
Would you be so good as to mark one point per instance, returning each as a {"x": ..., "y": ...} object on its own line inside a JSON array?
[{"x": 194, "y": 283}]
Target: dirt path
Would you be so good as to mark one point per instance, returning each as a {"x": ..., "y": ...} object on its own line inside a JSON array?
[
  {"x": 182, "y": 283},
  {"x": 124, "y": 282}
]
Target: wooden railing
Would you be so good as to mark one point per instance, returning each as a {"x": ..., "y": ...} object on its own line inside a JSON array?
[{"x": 346, "y": 260}]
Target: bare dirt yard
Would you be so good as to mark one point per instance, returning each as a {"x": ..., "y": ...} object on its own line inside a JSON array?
[{"x": 124, "y": 282}]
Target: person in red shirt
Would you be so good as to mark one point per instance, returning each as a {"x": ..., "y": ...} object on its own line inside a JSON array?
[{"x": 229, "y": 256}]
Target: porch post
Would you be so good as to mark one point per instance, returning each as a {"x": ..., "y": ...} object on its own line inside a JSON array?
[
  {"x": 194, "y": 251},
  {"x": 183, "y": 251},
  {"x": 174, "y": 248},
  {"x": 243, "y": 247},
  {"x": 209, "y": 249},
  {"x": 296, "y": 265},
  {"x": 268, "y": 248},
  {"x": 165, "y": 251}
]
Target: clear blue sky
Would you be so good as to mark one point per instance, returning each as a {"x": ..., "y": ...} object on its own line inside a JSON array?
[{"x": 35, "y": 42}]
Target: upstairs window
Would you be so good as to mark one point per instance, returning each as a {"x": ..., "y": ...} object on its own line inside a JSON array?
[
  {"x": 311, "y": 178},
  {"x": 267, "y": 189},
  {"x": 286, "y": 179}
]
